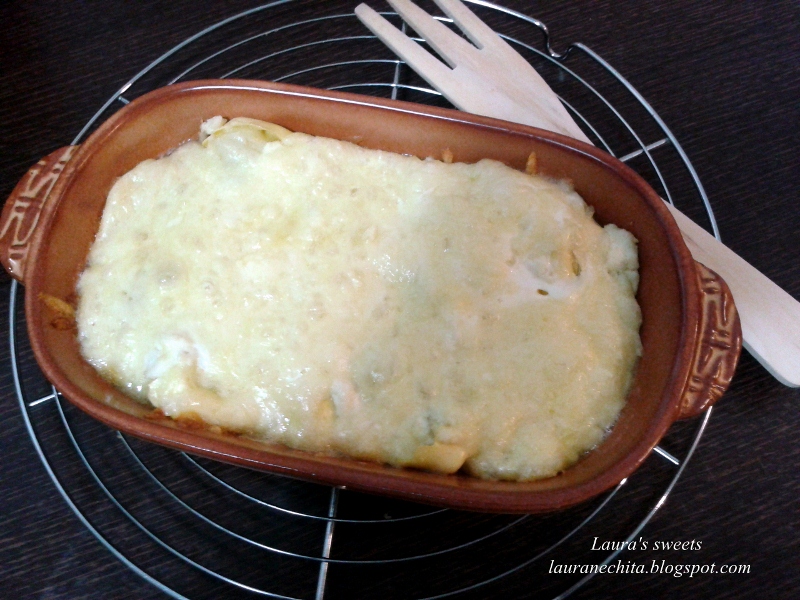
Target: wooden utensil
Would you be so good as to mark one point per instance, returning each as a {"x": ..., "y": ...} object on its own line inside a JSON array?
[{"x": 491, "y": 79}]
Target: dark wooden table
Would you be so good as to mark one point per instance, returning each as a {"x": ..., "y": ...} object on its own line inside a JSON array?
[{"x": 724, "y": 76}]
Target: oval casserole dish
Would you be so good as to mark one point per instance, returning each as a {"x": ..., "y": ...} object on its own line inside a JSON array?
[{"x": 690, "y": 330}]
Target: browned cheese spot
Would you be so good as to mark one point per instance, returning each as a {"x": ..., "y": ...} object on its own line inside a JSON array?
[{"x": 531, "y": 166}]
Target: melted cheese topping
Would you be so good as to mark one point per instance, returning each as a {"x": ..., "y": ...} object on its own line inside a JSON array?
[{"x": 332, "y": 298}]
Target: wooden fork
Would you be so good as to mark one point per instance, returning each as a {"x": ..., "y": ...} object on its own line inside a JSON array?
[{"x": 491, "y": 79}]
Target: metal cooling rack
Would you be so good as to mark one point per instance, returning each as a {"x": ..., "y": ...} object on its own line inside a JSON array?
[{"x": 197, "y": 529}]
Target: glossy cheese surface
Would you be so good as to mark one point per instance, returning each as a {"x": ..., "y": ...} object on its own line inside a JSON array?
[{"x": 337, "y": 299}]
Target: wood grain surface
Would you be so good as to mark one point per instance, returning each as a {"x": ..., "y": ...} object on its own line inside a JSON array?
[{"x": 724, "y": 76}]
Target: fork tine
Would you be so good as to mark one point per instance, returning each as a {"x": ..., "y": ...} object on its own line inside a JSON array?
[
  {"x": 527, "y": 86},
  {"x": 479, "y": 32},
  {"x": 484, "y": 37},
  {"x": 428, "y": 66},
  {"x": 449, "y": 45},
  {"x": 492, "y": 81}
]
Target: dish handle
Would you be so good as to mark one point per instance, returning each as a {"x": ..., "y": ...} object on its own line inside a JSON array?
[
  {"x": 718, "y": 346},
  {"x": 26, "y": 207}
]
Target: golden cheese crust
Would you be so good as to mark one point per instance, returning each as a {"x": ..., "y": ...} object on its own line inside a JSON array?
[{"x": 337, "y": 299}]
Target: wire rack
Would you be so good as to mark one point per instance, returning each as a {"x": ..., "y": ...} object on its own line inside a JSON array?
[{"x": 197, "y": 529}]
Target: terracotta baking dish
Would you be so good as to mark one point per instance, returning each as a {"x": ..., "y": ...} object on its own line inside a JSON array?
[{"x": 690, "y": 331}]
